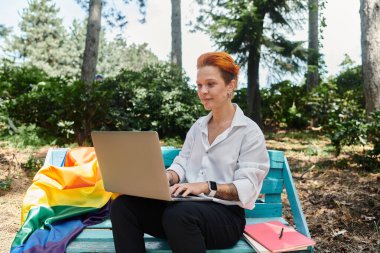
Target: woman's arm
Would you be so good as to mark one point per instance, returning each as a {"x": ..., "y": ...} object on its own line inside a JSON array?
[{"x": 227, "y": 192}]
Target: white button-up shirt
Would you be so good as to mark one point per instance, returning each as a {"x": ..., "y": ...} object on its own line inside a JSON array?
[{"x": 238, "y": 156}]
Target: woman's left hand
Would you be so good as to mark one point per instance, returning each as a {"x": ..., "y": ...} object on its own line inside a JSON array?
[{"x": 189, "y": 188}]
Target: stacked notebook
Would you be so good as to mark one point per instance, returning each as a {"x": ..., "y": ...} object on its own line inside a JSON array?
[{"x": 273, "y": 236}]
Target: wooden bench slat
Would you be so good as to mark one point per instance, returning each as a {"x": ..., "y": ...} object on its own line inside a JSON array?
[
  {"x": 105, "y": 224},
  {"x": 272, "y": 198},
  {"x": 99, "y": 240},
  {"x": 263, "y": 210},
  {"x": 272, "y": 185},
  {"x": 276, "y": 159},
  {"x": 275, "y": 173}
]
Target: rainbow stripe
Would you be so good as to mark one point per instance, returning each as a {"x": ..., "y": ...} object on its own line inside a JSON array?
[{"x": 60, "y": 202}]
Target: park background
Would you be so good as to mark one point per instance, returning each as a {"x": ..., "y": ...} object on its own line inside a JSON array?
[{"x": 328, "y": 134}]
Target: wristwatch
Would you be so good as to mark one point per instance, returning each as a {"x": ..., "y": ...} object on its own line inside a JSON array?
[{"x": 212, "y": 186}]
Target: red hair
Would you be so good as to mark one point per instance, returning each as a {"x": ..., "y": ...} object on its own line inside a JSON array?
[{"x": 226, "y": 64}]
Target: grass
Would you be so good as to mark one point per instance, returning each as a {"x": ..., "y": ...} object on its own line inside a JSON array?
[
  {"x": 5, "y": 184},
  {"x": 308, "y": 149}
]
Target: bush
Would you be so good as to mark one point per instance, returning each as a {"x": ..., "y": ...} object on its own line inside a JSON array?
[
  {"x": 157, "y": 98},
  {"x": 27, "y": 136},
  {"x": 374, "y": 132},
  {"x": 283, "y": 105},
  {"x": 33, "y": 164},
  {"x": 5, "y": 184},
  {"x": 67, "y": 111},
  {"x": 240, "y": 98},
  {"x": 347, "y": 124},
  {"x": 15, "y": 81}
]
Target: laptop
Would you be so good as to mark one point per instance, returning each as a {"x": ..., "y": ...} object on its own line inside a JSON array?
[{"x": 131, "y": 163}]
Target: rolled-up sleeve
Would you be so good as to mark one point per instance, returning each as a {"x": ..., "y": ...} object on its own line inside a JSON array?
[
  {"x": 179, "y": 164},
  {"x": 252, "y": 167}
]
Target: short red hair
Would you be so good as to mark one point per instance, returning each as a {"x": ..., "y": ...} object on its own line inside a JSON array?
[{"x": 222, "y": 60}]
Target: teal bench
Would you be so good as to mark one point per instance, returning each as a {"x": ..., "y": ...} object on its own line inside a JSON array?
[{"x": 98, "y": 238}]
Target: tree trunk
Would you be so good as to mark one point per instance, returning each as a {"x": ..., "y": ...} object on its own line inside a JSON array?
[
  {"x": 176, "y": 54},
  {"x": 253, "y": 89},
  {"x": 90, "y": 55},
  {"x": 313, "y": 52},
  {"x": 370, "y": 40}
]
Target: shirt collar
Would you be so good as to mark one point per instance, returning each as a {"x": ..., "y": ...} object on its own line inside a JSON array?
[{"x": 238, "y": 119}]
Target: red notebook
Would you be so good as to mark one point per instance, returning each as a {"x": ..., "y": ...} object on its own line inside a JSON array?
[{"x": 268, "y": 235}]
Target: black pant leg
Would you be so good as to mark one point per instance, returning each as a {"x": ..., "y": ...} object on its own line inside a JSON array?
[
  {"x": 197, "y": 226},
  {"x": 131, "y": 217}
]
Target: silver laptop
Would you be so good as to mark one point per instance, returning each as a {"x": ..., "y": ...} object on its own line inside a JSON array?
[{"x": 131, "y": 163}]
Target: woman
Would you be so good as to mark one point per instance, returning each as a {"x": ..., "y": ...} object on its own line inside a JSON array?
[{"x": 224, "y": 156}]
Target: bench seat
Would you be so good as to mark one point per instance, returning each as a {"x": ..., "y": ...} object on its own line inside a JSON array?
[{"x": 98, "y": 238}]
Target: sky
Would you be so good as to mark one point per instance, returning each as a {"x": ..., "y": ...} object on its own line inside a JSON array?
[{"x": 341, "y": 35}]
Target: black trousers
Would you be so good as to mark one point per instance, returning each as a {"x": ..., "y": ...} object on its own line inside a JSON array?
[{"x": 188, "y": 226}]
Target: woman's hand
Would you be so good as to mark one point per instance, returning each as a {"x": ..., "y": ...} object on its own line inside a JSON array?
[{"x": 189, "y": 188}]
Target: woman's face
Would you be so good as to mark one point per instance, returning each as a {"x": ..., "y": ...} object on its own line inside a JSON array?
[{"x": 212, "y": 89}]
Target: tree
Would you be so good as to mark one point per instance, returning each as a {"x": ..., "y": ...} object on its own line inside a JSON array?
[
  {"x": 370, "y": 37},
  {"x": 113, "y": 17},
  {"x": 75, "y": 48},
  {"x": 42, "y": 37},
  {"x": 4, "y": 31},
  {"x": 239, "y": 28},
  {"x": 90, "y": 56},
  {"x": 176, "y": 54},
  {"x": 313, "y": 52},
  {"x": 116, "y": 55}
]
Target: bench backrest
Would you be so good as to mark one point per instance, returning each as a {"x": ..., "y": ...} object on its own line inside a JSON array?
[{"x": 269, "y": 203}]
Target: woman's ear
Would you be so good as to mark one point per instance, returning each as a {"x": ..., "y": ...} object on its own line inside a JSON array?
[{"x": 232, "y": 85}]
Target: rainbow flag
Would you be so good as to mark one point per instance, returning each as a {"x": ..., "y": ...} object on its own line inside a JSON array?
[{"x": 61, "y": 202}]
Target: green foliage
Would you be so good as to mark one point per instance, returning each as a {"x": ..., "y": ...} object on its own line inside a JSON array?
[
  {"x": 85, "y": 106},
  {"x": 311, "y": 150},
  {"x": 45, "y": 44},
  {"x": 15, "y": 81},
  {"x": 240, "y": 98},
  {"x": 62, "y": 111},
  {"x": 59, "y": 107},
  {"x": 239, "y": 28},
  {"x": 173, "y": 142},
  {"x": 42, "y": 37},
  {"x": 5, "y": 184},
  {"x": 157, "y": 98},
  {"x": 350, "y": 78},
  {"x": 27, "y": 136},
  {"x": 374, "y": 132},
  {"x": 4, "y": 31},
  {"x": 342, "y": 117},
  {"x": 116, "y": 55},
  {"x": 33, "y": 164},
  {"x": 283, "y": 105}
]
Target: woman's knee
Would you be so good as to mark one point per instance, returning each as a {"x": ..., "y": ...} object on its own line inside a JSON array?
[{"x": 178, "y": 216}]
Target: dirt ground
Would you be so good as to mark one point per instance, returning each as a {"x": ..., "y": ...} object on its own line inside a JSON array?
[{"x": 341, "y": 203}]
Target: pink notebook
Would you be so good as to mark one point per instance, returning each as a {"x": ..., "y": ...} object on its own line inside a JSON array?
[{"x": 270, "y": 236}]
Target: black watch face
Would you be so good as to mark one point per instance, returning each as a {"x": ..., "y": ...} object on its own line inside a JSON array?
[{"x": 213, "y": 185}]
